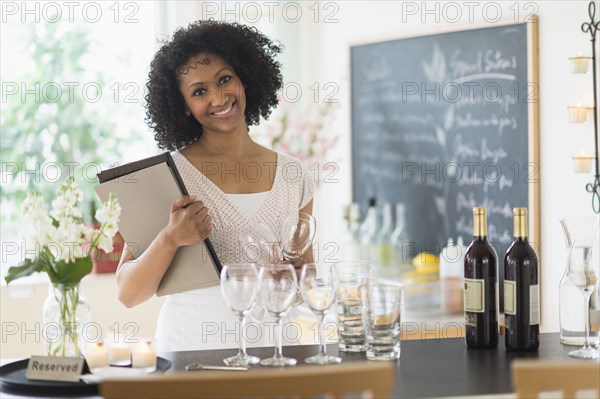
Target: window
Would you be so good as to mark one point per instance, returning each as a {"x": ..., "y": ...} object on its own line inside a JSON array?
[{"x": 73, "y": 85}]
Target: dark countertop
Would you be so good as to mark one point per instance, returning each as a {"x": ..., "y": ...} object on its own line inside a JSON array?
[{"x": 426, "y": 368}]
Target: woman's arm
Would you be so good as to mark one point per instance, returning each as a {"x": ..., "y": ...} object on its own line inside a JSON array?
[{"x": 138, "y": 279}]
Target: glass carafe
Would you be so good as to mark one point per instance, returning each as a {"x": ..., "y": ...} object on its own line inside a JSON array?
[{"x": 582, "y": 231}]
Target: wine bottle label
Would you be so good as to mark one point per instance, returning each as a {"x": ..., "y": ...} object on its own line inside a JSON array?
[
  {"x": 510, "y": 297},
  {"x": 470, "y": 319},
  {"x": 474, "y": 295},
  {"x": 534, "y": 304}
]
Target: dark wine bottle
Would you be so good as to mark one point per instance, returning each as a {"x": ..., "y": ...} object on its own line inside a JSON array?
[
  {"x": 521, "y": 290},
  {"x": 481, "y": 287}
]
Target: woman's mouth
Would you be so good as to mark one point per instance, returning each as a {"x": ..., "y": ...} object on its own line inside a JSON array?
[{"x": 224, "y": 112}]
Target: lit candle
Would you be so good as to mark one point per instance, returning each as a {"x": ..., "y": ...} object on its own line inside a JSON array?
[
  {"x": 96, "y": 356},
  {"x": 577, "y": 113},
  {"x": 119, "y": 351},
  {"x": 143, "y": 355},
  {"x": 582, "y": 163},
  {"x": 579, "y": 63}
]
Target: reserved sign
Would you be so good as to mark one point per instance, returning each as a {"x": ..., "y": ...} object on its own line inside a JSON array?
[{"x": 54, "y": 368}]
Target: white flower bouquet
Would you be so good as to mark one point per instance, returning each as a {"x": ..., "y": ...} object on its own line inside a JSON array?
[{"x": 61, "y": 242}]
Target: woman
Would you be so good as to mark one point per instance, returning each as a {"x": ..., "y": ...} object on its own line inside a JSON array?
[{"x": 206, "y": 86}]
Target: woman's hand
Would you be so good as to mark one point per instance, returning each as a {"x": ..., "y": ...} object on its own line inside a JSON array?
[{"x": 189, "y": 222}]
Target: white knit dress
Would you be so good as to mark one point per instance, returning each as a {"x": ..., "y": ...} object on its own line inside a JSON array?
[{"x": 200, "y": 319}]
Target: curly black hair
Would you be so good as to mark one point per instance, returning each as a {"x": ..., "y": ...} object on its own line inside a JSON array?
[{"x": 249, "y": 52}]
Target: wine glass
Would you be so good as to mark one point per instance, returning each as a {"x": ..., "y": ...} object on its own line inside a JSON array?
[
  {"x": 278, "y": 289},
  {"x": 260, "y": 244},
  {"x": 297, "y": 234},
  {"x": 239, "y": 286},
  {"x": 584, "y": 273},
  {"x": 318, "y": 291}
]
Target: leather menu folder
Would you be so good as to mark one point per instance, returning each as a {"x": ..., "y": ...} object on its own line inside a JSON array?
[{"x": 145, "y": 190}]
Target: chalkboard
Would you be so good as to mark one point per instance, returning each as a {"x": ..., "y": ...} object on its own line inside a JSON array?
[{"x": 447, "y": 122}]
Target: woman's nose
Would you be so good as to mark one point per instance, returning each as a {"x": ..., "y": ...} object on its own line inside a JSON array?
[{"x": 219, "y": 97}]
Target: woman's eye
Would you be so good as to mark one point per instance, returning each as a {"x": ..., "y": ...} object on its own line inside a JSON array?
[
  {"x": 224, "y": 79},
  {"x": 199, "y": 92}
]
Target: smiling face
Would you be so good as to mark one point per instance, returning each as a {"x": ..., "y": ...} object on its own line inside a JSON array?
[{"x": 213, "y": 93}]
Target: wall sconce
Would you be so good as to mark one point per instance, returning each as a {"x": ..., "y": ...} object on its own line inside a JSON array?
[{"x": 583, "y": 162}]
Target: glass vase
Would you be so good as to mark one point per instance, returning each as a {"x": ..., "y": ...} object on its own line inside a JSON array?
[
  {"x": 66, "y": 312},
  {"x": 582, "y": 231}
]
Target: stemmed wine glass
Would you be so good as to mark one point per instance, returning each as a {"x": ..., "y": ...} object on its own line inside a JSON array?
[
  {"x": 294, "y": 238},
  {"x": 239, "y": 285},
  {"x": 260, "y": 244},
  {"x": 584, "y": 272},
  {"x": 297, "y": 234},
  {"x": 318, "y": 288},
  {"x": 278, "y": 289}
]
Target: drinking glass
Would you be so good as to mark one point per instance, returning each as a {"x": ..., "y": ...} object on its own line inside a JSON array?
[
  {"x": 382, "y": 308},
  {"x": 350, "y": 277},
  {"x": 584, "y": 272},
  {"x": 239, "y": 286},
  {"x": 278, "y": 288},
  {"x": 297, "y": 234},
  {"x": 317, "y": 287}
]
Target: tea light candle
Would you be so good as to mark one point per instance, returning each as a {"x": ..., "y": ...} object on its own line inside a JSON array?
[
  {"x": 143, "y": 355},
  {"x": 582, "y": 163},
  {"x": 577, "y": 113},
  {"x": 579, "y": 63},
  {"x": 119, "y": 351},
  {"x": 96, "y": 356}
]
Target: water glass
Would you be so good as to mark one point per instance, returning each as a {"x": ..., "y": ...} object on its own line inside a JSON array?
[
  {"x": 350, "y": 278},
  {"x": 382, "y": 308}
]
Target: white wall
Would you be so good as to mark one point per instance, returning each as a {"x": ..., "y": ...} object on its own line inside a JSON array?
[{"x": 319, "y": 52}]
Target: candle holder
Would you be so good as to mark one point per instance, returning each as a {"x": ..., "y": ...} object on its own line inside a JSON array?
[
  {"x": 96, "y": 355},
  {"x": 578, "y": 114},
  {"x": 582, "y": 163},
  {"x": 143, "y": 355},
  {"x": 119, "y": 349},
  {"x": 579, "y": 67},
  {"x": 579, "y": 63}
]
